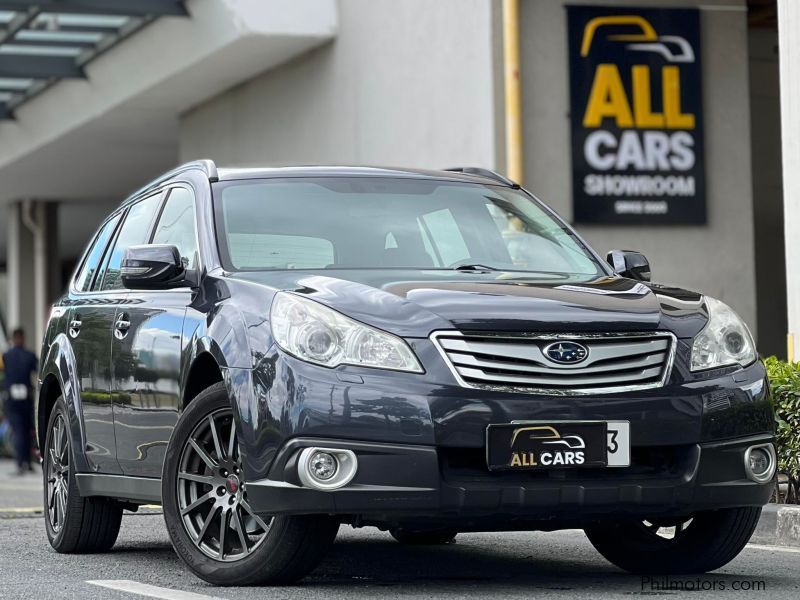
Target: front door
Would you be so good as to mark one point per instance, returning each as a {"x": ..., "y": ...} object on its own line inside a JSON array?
[
  {"x": 93, "y": 319},
  {"x": 146, "y": 350}
]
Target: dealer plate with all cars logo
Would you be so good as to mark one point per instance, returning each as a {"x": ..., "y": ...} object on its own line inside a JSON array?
[{"x": 557, "y": 445}]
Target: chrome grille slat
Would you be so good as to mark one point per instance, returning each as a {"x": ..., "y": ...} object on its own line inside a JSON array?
[
  {"x": 527, "y": 351},
  {"x": 470, "y": 360},
  {"x": 558, "y": 381},
  {"x": 516, "y": 362}
]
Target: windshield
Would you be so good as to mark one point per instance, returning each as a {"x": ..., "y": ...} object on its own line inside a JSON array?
[{"x": 372, "y": 222}]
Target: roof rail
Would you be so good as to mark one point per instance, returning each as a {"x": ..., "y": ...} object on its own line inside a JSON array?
[
  {"x": 206, "y": 165},
  {"x": 485, "y": 173}
]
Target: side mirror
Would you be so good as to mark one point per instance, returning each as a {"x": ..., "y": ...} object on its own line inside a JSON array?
[
  {"x": 153, "y": 267},
  {"x": 629, "y": 263}
]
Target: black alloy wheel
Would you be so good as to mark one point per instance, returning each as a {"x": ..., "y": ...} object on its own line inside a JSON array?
[
  {"x": 213, "y": 527},
  {"x": 212, "y": 495},
  {"x": 56, "y": 469},
  {"x": 73, "y": 523},
  {"x": 703, "y": 542}
]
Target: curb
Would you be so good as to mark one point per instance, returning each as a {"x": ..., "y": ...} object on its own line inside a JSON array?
[{"x": 779, "y": 525}]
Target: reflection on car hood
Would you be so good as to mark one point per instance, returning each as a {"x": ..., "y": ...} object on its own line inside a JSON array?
[{"x": 413, "y": 303}]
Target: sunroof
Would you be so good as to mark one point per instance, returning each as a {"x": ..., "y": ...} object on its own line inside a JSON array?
[{"x": 44, "y": 41}]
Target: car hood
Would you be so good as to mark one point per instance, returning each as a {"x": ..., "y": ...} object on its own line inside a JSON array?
[{"x": 413, "y": 303}]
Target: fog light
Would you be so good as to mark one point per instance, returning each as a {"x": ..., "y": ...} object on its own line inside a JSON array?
[
  {"x": 326, "y": 468},
  {"x": 760, "y": 463}
]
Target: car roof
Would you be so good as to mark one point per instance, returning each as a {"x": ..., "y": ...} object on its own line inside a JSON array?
[
  {"x": 210, "y": 170},
  {"x": 234, "y": 173}
]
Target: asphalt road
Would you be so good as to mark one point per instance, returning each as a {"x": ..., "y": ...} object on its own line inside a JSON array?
[{"x": 363, "y": 564}]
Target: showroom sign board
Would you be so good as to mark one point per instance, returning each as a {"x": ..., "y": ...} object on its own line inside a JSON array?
[{"x": 636, "y": 115}]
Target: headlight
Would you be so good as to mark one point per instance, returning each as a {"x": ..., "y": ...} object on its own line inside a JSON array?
[
  {"x": 318, "y": 334},
  {"x": 724, "y": 341}
]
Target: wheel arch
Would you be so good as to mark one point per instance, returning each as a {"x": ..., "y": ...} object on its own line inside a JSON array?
[
  {"x": 203, "y": 372},
  {"x": 59, "y": 377},
  {"x": 208, "y": 362},
  {"x": 49, "y": 392}
]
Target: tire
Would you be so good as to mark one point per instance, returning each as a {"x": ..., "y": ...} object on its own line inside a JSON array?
[
  {"x": 253, "y": 550},
  {"x": 704, "y": 543},
  {"x": 430, "y": 537},
  {"x": 74, "y": 524}
]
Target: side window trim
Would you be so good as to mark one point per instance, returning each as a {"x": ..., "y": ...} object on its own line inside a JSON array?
[
  {"x": 167, "y": 191},
  {"x": 107, "y": 249},
  {"x": 97, "y": 286},
  {"x": 151, "y": 229},
  {"x": 88, "y": 251},
  {"x": 96, "y": 281},
  {"x": 117, "y": 214},
  {"x": 157, "y": 216}
]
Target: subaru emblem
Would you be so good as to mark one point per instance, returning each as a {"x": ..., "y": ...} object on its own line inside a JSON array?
[{"x": 566, "y": 353}]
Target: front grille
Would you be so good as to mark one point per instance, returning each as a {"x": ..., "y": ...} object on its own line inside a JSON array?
[{"x": 517, "y": 362}]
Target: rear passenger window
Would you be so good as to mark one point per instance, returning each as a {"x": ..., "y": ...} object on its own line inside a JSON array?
[
  {"x": 134, "y": 231},
  {"x": 95, "y": 255},
  {"x": 176, "y": 226}
]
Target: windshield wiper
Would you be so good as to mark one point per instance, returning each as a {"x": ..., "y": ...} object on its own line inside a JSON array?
[{"x": 474, "y": 267}]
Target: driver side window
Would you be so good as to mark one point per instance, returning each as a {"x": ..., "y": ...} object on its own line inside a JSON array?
[
  {"x": 177, "y": 226},
  {"x": 93, "y": 257},
  {"x": 134, "y": 230}
]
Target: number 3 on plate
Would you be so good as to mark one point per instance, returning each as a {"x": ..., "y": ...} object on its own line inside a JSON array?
[
  {"x": 618, "y": 444},
  {"x": 612, "y": 442}
]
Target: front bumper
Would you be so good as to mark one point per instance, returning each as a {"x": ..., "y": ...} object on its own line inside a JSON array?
[
  {"x": 402, "y": 482},
  {"x": 420, "y": 440}
]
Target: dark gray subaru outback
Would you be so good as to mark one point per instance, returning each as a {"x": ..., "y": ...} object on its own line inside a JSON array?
[{"x": 270, "y": 353}]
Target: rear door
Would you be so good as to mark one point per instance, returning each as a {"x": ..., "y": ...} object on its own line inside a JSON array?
[
  {"x": 148, "y": 391},
  {"x": 89, "y": 320}
]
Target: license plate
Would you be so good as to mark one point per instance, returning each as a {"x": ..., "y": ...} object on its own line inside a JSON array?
[{"x": 524, "y": 445}]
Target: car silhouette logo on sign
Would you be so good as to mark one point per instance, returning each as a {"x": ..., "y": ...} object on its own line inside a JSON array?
[{"x": 566, "y": 353}]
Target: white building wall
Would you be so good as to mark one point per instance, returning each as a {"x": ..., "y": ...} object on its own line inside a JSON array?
[
  {"x": 404, "y": 84},
  {"x": 789, "y": 33},
  {"x": 416, "y": 83},
  {"x": 717, "y": 258},
  {"x": 765, "y": 130}
]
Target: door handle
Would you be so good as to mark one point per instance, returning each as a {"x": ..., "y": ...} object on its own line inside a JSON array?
[
  {"x": 75, "y": 327},
  {"x": 121, "y": 327}
]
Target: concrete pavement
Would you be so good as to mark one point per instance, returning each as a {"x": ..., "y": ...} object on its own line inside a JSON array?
[
  {"x": 363, "y": 564},
  {"x": 19, "y": 491},
  {"x": 780, "y": 525},
  {"x": 369, "y": 564}
]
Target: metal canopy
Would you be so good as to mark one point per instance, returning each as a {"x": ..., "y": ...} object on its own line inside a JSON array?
[{"x": 44, "y": 41}]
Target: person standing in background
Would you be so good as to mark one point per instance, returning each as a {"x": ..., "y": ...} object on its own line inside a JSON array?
[{"x": 20, "y": 365}]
